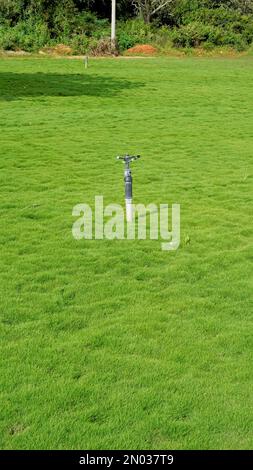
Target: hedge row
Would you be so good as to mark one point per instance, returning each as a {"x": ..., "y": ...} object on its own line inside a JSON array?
[{"x": 86, "y": 33}]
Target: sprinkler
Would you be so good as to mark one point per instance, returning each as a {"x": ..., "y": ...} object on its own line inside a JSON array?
[{"x": 128, "y": 184}]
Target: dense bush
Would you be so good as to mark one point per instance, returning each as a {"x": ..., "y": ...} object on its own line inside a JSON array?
[
  {"x": 25, "y": 35},
  {"x": 219, "y": 26},
  {"x": 198, "y": 34},
  {"x": 133, "y": 32},
  {"x": 195, "y": 34},
  {"x": 84, "y": 25}
]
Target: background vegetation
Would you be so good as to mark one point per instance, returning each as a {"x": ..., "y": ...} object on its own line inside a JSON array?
[{"x": 84, "y": 25}]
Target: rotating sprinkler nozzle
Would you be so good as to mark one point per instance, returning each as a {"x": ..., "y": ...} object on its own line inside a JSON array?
[{"x": 128, "y": 184}]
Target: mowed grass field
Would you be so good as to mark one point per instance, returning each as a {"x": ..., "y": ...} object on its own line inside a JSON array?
[{"x": 118, "y": 344}]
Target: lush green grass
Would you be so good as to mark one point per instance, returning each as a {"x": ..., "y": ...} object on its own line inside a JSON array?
[{"x": 117, "y": 344}]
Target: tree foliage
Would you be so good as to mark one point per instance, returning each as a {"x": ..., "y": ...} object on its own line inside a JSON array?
[
  {"x": 30, "y": 24},
  {"x": 148, "y": 8}
]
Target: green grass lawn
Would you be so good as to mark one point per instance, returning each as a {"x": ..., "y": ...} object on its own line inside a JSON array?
[{"x": 118, "y": 344}]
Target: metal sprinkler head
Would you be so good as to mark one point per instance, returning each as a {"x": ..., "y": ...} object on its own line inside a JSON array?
[{"x": 127, "y": 159}]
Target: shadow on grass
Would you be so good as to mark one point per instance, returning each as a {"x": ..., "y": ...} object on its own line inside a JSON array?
[{"x": 15, "y": 86}]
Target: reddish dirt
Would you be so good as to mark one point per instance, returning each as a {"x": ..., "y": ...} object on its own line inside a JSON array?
[{"x": 142, "y": 49}]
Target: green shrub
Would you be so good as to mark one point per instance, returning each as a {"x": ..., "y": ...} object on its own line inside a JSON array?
[
  {"x": 247, "y": 31},
  {"x": 79, "y": 43},
  {"x": 125, "y": 41},
  {"x": 234, "y": 40},
  {"x": 133, "y": 32},
  {"x": 138, "y": 29},
  {"x": 208, "y": 46},
  {"x": 195, "y": 34},
  {"x": 236, "y": 29},
  {"x": 162, "y": 37},
  {"x": 221, "y": 17},
  {"x": 7, "y": 39},
  {"x": 183, "y": 10},
  {"x": 92, "y": 26},
  {"x": 231, "y": 22},
  {"x": 25, "y": 35}
]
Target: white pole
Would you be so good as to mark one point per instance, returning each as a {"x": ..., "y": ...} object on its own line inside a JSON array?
[
  {"x": 113, "y": 25},
  {"x": 129, "y": 210}
]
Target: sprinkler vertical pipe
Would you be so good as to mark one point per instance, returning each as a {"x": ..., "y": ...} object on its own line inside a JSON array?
[{"x": 128, "y": 185}]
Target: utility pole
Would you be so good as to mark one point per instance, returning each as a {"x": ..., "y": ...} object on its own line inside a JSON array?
[{"x": 113, "y": 25}]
